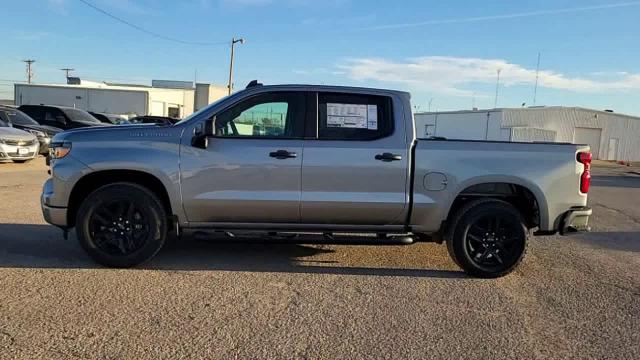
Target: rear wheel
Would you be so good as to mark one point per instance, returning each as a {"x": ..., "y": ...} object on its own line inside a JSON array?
[
  {"x": 121, "y": 225},
  {"x": 488, "y": 238}
]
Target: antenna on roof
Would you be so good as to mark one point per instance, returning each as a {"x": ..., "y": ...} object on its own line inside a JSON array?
[{"x": 253, "y": 83}]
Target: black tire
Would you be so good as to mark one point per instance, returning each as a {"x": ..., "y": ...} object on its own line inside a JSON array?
[
  {"x": 487, "y": 238},
  {"x": 121, "y": 225}
]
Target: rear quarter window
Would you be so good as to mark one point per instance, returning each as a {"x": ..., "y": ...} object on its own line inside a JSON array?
[{"x": 354, "y": 117}]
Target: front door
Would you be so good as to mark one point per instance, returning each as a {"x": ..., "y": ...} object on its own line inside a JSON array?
[
  {"x": 250, "y": 171},
  {"x": 355, "y": 170}
]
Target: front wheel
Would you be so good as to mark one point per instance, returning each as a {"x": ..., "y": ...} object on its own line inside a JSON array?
[
  {"x": 121, "y": 225},
  {"x": 488, "y": 238}
]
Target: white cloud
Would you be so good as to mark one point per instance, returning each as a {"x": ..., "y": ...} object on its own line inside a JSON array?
[
  {"x": 450, "y": 75},
  {"x": 59, "y": 6}
]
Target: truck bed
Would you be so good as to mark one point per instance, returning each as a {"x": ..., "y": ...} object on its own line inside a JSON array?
[{"x": 445, "y": 168}]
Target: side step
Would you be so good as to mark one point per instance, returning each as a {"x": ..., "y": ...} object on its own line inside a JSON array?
[{"x": 306, "y": 238}]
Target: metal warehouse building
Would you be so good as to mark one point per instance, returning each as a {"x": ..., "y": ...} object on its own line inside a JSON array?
[
  {"x": 611, "y": 136},
  {"x": 176, "y": 99}
]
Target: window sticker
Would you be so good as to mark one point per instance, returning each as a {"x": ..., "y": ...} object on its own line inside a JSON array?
[
  {"x": 354, "y": 116},
  {"x": 372, "y": 117}
]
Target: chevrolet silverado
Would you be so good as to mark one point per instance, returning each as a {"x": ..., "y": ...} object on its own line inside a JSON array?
[{"x": 312, "y": 159}]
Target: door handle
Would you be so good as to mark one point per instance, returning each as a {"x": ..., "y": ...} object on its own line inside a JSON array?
[
  {"x": 283, "y": 154},
  {"x": 386, "y": 157}
]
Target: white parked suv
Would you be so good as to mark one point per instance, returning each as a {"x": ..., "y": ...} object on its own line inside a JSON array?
[{"x": 17, "y": 145}]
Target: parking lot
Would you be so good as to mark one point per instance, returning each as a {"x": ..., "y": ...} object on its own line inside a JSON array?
[{"x": 573, "y": 297}]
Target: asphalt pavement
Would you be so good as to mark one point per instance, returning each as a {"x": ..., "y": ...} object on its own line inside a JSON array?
[{"x": 572, "y": 297}]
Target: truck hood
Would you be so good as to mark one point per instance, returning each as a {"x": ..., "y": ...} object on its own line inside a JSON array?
[
  {"x": 115, "y": 132},
  {"x": 9, "y": 133}
]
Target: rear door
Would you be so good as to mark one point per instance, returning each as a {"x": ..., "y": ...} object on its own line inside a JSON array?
[
  {"x": 250, "y": 171},
  {"x": 354, "y": 170}
]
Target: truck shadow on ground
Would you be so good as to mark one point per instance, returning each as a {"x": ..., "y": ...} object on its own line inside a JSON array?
[
  {"x": 631, "y": 181},
  {"x": 42, "y": 246},
  {"x": 620, "y": 241}
]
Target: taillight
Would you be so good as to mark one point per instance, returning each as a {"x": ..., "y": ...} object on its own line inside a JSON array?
[{"x": 585, "y": 179}]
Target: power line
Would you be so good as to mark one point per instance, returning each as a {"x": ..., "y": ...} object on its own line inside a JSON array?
[
  {"x": 149, "y": 32},
  {"x": 503, "y": 16}
]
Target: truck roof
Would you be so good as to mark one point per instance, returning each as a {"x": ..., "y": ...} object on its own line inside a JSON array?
[{"x": 326, "y": 88}]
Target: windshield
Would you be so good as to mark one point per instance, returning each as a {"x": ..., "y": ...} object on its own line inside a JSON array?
[
  {"x": 18, "y": 117},
  {"x": 204, "y": 109},
  {"x": 80, "y": 115}
]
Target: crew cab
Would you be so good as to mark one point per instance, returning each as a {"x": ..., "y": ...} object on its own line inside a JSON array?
[{"x": 312, "y": 159}]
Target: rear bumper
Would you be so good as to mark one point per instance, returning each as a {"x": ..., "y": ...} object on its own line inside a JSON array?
[{"x": 576, "y": 220}]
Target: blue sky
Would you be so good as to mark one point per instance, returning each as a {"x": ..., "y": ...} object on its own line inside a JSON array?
[{"x": 444, "y": 52}]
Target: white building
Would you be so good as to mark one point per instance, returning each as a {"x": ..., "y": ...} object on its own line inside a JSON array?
[
  {"x": 176, "y": 101},
  {"x": 611, "y": 136}
]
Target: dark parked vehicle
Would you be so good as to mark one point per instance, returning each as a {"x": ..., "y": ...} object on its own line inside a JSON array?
[
  {"x": 19, "y": 120},
  {"x": 108, "y": 119},
  {"x": 60, "y": 116},
  {"x": 150, "y": 119}
]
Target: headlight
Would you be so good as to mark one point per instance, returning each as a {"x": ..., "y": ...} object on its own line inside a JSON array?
[
  {"x": 59, "y": 150},
  {"x": 37, "y": 133}
]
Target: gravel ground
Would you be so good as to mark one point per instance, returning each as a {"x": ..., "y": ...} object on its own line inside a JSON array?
[{"x": 573, "y": 297}]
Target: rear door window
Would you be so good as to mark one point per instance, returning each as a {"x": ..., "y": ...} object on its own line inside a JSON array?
[{"x": 354, "y": 117}]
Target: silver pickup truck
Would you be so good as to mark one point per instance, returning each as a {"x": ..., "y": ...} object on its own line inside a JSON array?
[{"x": 312, "y": 159}]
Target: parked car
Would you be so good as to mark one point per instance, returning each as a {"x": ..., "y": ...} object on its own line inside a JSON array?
[
  {"x": 17, "y": 145},
  {"x": 60, "y": 116},
  {"x": 335, "y": 160},
  {"x": 19, "y": 120},
  {"x": 109, "y": 119},
  {"x": 150, "y": 119}
]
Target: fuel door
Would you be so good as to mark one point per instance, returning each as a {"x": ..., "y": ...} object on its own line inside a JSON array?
[{"x": 435, "y": 181}]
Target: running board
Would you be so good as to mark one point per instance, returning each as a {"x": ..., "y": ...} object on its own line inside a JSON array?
[{"x": 306, "y": 238}]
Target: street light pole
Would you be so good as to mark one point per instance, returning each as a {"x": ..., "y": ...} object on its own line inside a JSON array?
[{"x": 233, "y": 44}]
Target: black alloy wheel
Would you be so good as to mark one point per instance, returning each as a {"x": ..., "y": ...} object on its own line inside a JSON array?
[
  {"x": 487, "y": 238},
  {"x": 122, "y": 225}
]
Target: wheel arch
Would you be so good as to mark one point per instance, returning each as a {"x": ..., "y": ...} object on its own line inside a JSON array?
[
  {"x": 94, "y": 180},
  {"x": 526, "y": 196}
]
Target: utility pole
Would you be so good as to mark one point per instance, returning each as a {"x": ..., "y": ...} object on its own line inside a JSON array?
[
  {"x": 535, "y": 89},
  {"x": 233, "y": 44},
  {"x": 29, "y": 62},
  {"x": 430, "y": 101},
  {"x": 66, "y": 72},
  {"x": 495, "y": 104}
]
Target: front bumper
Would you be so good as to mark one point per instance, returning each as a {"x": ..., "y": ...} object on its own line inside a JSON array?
[
  {"x": 576, "y": 220},
  {"x": 53, "y": 215},
  {"x": 11, "y": 152}
]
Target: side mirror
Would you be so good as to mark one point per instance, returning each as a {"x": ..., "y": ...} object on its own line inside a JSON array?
[
  {"x": 61, "y": 119},
  {"x": 202, "y": 132}
]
